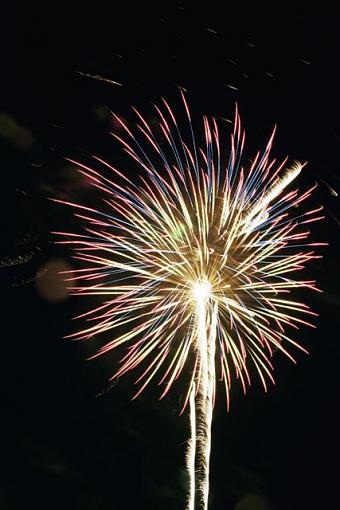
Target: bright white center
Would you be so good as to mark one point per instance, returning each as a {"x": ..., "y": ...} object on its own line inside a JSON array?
[{"x": 201, "y": 290}]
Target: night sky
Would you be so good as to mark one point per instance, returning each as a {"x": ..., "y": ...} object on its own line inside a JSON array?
[{"x": 69, "y": 440}]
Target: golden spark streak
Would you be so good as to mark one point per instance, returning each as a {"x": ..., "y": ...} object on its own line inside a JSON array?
[{"x": 290, "y": 174}]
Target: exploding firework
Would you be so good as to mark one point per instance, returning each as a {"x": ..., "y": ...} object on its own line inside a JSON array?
[{"x": 194, "y": 264}]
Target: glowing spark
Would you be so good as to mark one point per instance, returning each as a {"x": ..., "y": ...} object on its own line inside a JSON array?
[
  {"x": 194, "y": 262},
  {"x": 201, "y": 291}
]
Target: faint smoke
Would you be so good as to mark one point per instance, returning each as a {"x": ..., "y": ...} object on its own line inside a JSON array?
[
  {"x": 50, "y": 282},
  {"x": 18, "y": 136},
  {"x": 252, "y": 502}
]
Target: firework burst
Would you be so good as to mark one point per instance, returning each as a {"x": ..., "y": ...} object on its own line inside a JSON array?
[{"x": 195, "y": 264}]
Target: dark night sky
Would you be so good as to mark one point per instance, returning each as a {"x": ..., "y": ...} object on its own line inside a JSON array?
[{"x": 65, "y": 446}]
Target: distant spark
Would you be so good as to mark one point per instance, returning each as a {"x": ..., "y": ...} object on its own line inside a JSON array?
[
  {"x": 305, "y": 61},
  {"x": 232, "y": 86},
  {"x": 100, "y": 78},
  {"x": 331, "y": 190},
  {"x": 337, "y": 221}
]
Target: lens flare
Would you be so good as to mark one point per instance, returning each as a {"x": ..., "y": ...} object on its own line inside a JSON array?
[{"x": 194, "y": 261}]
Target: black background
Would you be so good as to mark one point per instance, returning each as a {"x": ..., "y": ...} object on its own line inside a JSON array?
[{"x": 64, "y": 445}]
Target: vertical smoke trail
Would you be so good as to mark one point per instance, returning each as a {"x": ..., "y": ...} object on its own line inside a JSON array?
[{"x": 204, "y": 397}]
